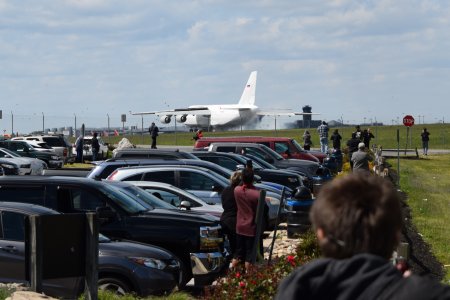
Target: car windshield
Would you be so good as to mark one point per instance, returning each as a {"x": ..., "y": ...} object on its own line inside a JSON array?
[
  {"x": 297, "y": 145},
  {"x": 272, "y": 153},
  {"x": 10, "y": 153},
  {"x": 261, "y": 162},
  {"x": 147, "y": 197},
  {"x": 126, "y": 201}
]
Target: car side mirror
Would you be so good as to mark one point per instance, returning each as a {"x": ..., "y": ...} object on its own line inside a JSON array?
[
  {"x": 105, "y": 212},
  {"x": 186, "y": 205}
]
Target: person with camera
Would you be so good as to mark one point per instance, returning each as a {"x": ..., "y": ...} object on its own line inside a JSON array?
[{"x": 358, "y": 223}]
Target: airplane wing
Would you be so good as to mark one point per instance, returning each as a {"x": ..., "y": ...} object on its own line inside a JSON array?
[{"x": 178, "y": 112}]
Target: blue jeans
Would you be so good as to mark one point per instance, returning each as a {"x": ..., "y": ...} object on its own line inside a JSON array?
[{"x": 324, "y": 144}]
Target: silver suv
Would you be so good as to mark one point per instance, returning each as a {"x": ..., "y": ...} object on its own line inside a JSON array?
[{"x": 58, "y": 142}]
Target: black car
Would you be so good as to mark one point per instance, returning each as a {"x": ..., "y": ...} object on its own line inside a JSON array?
[
  {"x": 123, "y": 267},
  {"x": 234, "y": 162},
  {"x": 195, "y": 238},
  {"x": 24, "y": 149}
]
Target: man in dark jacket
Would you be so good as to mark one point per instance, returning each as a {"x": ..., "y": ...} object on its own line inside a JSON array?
[
  {"x": 95, "y": 147},
  {"x": 358, "y": 221},
  {"x": 153, "y": 130},
  {"x": 352, "y": 146}
]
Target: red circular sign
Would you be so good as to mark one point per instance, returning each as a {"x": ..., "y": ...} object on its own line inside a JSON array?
[{"x": 408, "y": 120}]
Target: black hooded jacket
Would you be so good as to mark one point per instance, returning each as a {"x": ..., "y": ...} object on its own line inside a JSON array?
[{"x": 363, "y": 276}]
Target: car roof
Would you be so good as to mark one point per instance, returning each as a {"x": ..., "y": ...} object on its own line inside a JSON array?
[
  {"x": 28, "y": 208},
  {"x": 35, "y": 179}
]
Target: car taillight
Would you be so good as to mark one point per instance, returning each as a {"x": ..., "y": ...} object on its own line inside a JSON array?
[{"x": 65, "y": 152}]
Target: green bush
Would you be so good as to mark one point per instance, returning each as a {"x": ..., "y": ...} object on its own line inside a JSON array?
[{"x": 261, "y": 282}]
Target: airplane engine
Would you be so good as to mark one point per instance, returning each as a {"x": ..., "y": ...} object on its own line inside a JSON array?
[
  {"x": 181, "y": 118},
  {"x": 165, "y": 119}
]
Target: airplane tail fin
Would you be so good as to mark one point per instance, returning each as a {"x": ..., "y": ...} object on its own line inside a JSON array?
[{"x": 248, "y": 96}]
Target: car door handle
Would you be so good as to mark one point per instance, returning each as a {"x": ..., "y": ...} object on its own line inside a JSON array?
[{"x": 10, "y": 249}]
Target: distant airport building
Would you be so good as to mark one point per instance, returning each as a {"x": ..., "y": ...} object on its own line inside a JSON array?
[{"x": 307, "y": 121}]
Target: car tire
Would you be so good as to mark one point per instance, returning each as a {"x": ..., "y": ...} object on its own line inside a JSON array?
[{"x": 115, "y": 285}]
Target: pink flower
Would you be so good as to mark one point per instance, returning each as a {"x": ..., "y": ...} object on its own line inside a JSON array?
[
  {"x": 238, "y": 275},
  {"x": 291, "y": 260},
  {"x": 242, "y": 284}
]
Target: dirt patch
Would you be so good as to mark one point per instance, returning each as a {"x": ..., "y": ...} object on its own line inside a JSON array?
[{"x": 421, "y": 259}]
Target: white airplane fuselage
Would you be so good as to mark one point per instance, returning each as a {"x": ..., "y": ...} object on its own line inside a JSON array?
[{"x": 222, "y": 116}]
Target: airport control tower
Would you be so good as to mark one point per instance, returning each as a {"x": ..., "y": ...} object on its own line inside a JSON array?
[{"x": 307, "y": 118}]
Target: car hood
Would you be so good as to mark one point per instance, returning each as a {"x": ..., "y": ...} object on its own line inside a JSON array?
[
  {"x": 128, "y": 248},
  {"x": 186, "y": 216}
]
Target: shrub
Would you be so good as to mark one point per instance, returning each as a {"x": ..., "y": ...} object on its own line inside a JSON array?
[{"x": 261, "y": 282}]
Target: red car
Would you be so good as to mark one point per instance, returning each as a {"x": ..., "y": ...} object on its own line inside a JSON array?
[{"x": 287, "y": 147}]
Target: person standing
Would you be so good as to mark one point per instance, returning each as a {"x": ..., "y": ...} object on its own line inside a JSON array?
[
  {"x": 360, "y": 160},
  {"x": 352, "y": 146},
  {"x": 425, "y": 138},
  {"x": 153, "y": 130},
  {"x": 358, "y": 132},
  {"x": 79, "y": 148},
  {"x": 198, "y": 135},
  {"x": 228, "y": 218},
  {"x": 366, "y": 137},
  {"x": 95, "y": 147},
  {"x": 336, "y": 138},
  {"x": 307, "y": 140},
  {"x": 323, "y": 135},
  {"x": 246, "y": 196},
  {"x": 358, "y": 223}
]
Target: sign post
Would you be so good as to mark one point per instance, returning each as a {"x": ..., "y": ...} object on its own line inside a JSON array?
[{"x": 408, "y": 121}]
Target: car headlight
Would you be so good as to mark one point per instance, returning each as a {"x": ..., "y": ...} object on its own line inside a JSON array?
[
  {"x": 6, "y": 166},
  {"x": 149, "y": 262},
  {"x": 54, "y": 157}
]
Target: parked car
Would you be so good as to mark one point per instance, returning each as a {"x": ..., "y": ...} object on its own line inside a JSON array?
[
  {"x": 199, "y": 181},
  {"x": 233, "y": 162},
  {"x": 195, "y": 238},
  {"x": 287, "y": 147},
  {"x": 317, "y": 173},
  {"x": 178, "y": 197},
  {"x": 123, "y": 266},
  {"x": 41, "y": 146},
  {"x": 87, "y": 148},
  {"x": 26, "y": 165},
  {"x": 151, "y": 153},
  {"x": 57, "y": 141},
  {"x": 8, "y": 167},
  {"x": 24, "y": 149}
]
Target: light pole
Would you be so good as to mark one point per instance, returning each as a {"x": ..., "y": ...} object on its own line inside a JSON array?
[
  {"x": 43, "y": 122},
  {"x": 75, "y": 134},
  {"x": 12, "y": 124}
]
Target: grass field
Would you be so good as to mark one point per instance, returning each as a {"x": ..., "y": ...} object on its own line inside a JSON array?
[
  {"x": 427, "y": 183},
  {"x": 384, "y": 135}
]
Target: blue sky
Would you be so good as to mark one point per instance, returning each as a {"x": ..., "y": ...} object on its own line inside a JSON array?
[{"x": 347, "y": 59}]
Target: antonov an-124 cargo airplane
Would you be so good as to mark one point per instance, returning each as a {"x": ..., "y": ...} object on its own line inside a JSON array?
[{"x": 222, "y": 116}]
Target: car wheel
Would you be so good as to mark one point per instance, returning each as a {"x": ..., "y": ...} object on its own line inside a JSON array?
[{"x": 115, "y": 285}]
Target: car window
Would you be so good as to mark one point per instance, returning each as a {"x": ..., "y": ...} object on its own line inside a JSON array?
[
  {"x": 168, "y": 197},
  {"x": 226, "y": 149},
  {"x": 147, "y": 198},
  {"x": 281, "y": 147},
  {"x": 13, "y": 226},
  {"x": 80, "y": 200},
  {"x": 227, "y": 163},
  {"x": 254, "y": 151},
  {"x": 195, "y": 181},
  {"x": 27, "y": 194},
  {"x": 160, "y": 176},
  {"x": 54, "y": 141}
]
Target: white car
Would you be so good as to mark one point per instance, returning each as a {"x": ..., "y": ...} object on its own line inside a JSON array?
[
  {"x": 175, "y": 196},
  {"x": 87, "y": 148},
  {"x": 27, "y": 165}
]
